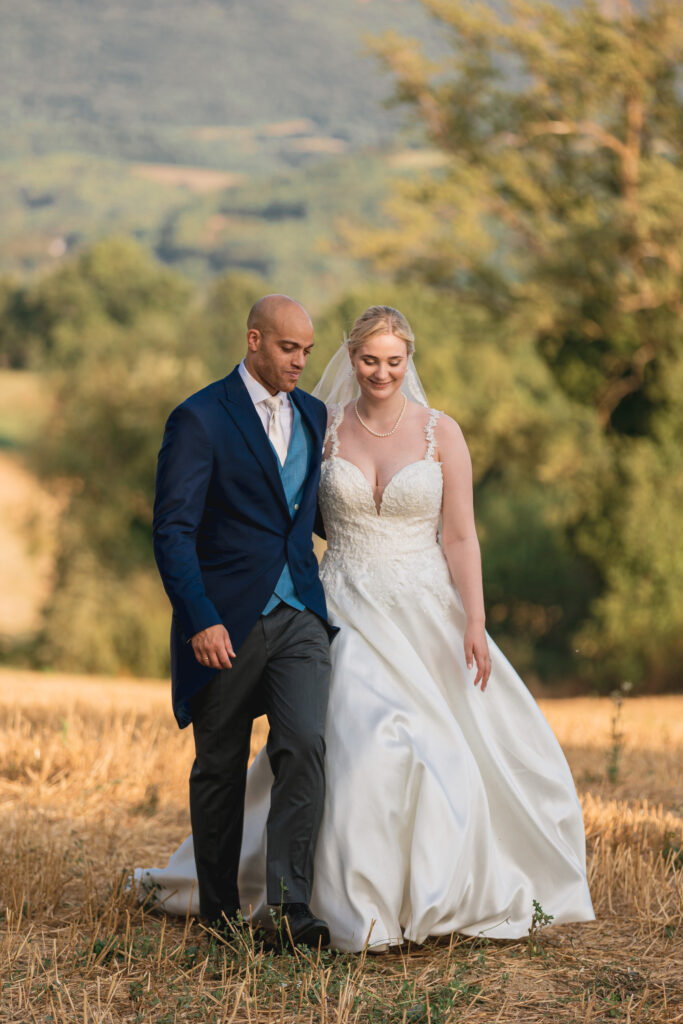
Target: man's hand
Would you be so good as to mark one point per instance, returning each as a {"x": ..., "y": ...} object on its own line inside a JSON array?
[{"x": 213, "y": 647}]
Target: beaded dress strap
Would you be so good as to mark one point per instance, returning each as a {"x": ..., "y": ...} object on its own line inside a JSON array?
[
  {"x": 429, "y": 434},
  {"x": 331, "y": 435}
]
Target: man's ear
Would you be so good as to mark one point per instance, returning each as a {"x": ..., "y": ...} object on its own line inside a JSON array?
[{"x": 254, "y": 337}]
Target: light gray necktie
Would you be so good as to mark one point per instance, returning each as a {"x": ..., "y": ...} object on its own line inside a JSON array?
[{"x": 275, "y": 432}]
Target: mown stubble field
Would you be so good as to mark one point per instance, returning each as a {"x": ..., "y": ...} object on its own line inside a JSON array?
[{"x": 93, "y": 781}]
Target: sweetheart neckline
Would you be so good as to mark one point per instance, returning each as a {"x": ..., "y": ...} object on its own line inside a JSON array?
[{"x": 378, "y": 510}]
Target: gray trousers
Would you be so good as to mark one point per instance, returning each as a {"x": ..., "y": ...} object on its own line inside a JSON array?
[{"x": 282, "y": 669}]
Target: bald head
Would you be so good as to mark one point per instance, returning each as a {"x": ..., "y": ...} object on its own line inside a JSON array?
[
  {"x": 279, "y": 339},
  {"x": 267, "y": 312}
]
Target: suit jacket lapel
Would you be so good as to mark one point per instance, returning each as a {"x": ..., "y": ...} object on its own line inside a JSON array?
[{"x": 241, "y": 409}]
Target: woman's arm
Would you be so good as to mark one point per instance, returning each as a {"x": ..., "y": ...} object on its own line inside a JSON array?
[{"x": 460, "y": 543}]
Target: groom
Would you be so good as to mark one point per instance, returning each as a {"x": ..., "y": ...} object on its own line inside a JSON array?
[{"x": 235, "y": 504}]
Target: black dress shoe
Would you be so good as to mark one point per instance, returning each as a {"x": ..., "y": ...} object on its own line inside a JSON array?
[{"x": 300, "y": 927}]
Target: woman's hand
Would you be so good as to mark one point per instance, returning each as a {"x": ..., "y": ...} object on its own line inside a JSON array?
[{"x": 476, "y": 649}]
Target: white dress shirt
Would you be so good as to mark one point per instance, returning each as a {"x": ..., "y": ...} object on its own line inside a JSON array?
[{"x": 259, "y": 394}]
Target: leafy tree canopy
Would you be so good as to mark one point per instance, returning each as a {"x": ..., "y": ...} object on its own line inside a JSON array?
[
  {"x": 560, "y": 206},
  {"x": 558, "y": 217}
]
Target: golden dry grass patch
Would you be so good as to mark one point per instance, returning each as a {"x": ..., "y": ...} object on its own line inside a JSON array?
[
  {"x": 417, "y": 159},
  {"x": 93, "y": 781},
  {"x": 197, "y": 179},
  {"x": 318, "y": 144},
  {"x": 286, "y": 129}
]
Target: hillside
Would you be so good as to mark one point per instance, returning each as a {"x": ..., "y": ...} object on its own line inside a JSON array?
[
  {"x": 133, "y": 80},
  {"x": 279, "y": 225},
  {"x": 112, "y": 112},
  {"x": 225, "y": 134}
]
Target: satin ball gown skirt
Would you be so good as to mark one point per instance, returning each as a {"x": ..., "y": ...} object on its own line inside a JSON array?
[{"x": 447, "y": 809}]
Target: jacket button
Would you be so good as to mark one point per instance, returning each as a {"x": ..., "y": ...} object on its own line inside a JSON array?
[{"x": 296, "y": 508}]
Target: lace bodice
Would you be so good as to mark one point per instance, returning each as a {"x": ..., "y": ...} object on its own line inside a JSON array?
[{"x": 390, "y": 550}]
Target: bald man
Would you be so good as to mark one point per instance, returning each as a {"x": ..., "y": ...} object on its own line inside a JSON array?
[{"x": 235, "y": 505}]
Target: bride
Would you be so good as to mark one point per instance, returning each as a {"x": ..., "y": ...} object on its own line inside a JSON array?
[{"x": 449, "y": 804}]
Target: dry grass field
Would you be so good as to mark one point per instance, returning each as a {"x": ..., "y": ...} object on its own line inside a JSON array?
[{"x": 93, "y": 781}]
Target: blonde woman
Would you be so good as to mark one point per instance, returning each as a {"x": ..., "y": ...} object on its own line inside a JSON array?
[{"x": 449, "y": 804}]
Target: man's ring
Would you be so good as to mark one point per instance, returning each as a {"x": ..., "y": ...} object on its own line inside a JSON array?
[{"x": 206, "y": 660}]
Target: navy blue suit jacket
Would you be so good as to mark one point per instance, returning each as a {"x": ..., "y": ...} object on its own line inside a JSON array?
[{"x": 222, "y": 529}]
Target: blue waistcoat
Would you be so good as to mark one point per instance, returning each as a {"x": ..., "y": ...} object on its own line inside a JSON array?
[{"x": 293, "y": 476}]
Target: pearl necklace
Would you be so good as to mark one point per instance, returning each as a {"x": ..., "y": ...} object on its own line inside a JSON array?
[{"x": 375, "y": 433}]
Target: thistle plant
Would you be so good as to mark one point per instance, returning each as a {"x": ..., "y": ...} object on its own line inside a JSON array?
[
  {"x": 539, "y": 920},
  {"x": 616, "y": 735}
]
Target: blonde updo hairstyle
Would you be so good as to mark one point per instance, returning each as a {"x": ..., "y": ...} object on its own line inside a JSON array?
[{"x": 380, "y": 320}]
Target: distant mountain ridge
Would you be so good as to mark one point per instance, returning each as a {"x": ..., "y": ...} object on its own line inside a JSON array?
[
  {"x": 122, "y": 78},
  {"x": 223, "y": 134}
]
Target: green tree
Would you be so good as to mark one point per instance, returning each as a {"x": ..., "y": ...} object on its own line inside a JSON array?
[
  {"x": 13, "y": 350},
  {"x": 120, "y": 339},
  {"x": 43, "y": 322},
  {"x": 636, "y": 627},
  {"x": 563, "y": 190},
  {"x": 218, "y": 330},
  {"x": 559, "y": 212},
  {"x": 126, "y": 340},
  {"x": 114, "y": 357}
]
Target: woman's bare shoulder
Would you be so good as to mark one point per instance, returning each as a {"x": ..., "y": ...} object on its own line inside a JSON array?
[
  {"x": 448, "y": 428},
  {"x": 449, "y": 438}
]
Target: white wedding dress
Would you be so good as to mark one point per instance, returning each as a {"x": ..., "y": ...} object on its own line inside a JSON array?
[{"x": 447, "y": 809}]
